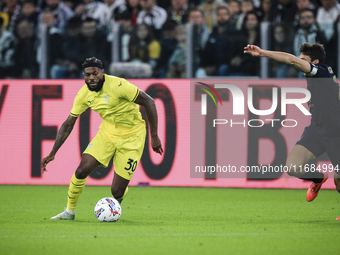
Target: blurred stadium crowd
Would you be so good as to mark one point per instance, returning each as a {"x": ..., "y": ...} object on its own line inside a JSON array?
[{"x": 153, "y": 36}]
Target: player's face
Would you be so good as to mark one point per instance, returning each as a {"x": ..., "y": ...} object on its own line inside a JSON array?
[
  {"x": 93, "y": 77},
  {"x": 305, "y": 57}
]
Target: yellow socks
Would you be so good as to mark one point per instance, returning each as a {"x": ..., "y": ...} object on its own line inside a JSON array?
[{"x": 74, "y": 191}]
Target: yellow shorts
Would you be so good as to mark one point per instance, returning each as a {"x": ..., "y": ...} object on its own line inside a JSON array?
[{"x": 127, "y": 151}]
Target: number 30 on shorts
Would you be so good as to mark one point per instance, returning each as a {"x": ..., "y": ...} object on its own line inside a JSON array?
[{"x": 131, "y": 165}]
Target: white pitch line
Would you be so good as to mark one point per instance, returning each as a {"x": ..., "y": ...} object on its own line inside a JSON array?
[{"x": 141, "y": 235}]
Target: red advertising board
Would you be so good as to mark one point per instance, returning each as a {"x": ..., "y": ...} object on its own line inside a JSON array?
[{"x": 31, "y": 112}]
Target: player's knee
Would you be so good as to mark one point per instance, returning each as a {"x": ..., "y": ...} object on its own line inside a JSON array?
[
  {"x": 117, "y": 192},
  {"x": 81, "y": 173},
  {"x": 294, "y": 169},
  {"x": 289, "y": 168}
]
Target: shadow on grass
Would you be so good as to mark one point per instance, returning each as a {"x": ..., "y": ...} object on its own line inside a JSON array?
[{"x": 125, "y": 222}]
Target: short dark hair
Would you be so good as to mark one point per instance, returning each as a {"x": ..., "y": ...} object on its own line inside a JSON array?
[
  {"x": 89, "y": 19},
  {"x": 224, "y": 7},
  {"x": 308, "y": 10},
  {"x": 250, "y": 1},
  {"x": 314, "y": 51},
  {"x": 122, "y": 14},
  {"x": 28, "y": 2},
  {"x": 92, "y": 62},
  {"x": 197, "y": 10},
  {"x": 169, "y": 25}
]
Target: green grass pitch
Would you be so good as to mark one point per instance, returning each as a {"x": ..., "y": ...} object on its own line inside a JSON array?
[{"x": 160, "y": 220}]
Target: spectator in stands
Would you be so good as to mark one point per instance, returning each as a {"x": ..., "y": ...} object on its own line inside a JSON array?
[
  {"x": 12, "y": 10},
  {"x": 93, "y": 42},
  {"x": 29, "y": 12},
  {"x": 124, "y": 18},
  {"x": 4, "y": 17},
  {"x": 220, "y": 47},
  {"x": 26, "y": 65},
  {"x": 196, "y": 16},
  {"x": 83, "y": 39},
  {"x": 107, "y": 19},
  {"x": 178, "y": 58},
  {"x": 282, "y": 11},
  {"x": 235, "y": 10},
  {"x": 244, "y": 64},
  {"x": 246, "y": 6},
  {"x": 133, "y": 6},
  {"x": 328, "y": 12},
  {"x": 70, "y": 67},
  {"x": 302, "y": 5},
  {"x": 72, "y": 4},
  {"x": 90, "y": 9},
  {"x": 209, "y": 8},
  {"x": 165, "y": 4},
  {"x": 265, "y": 10},
  {"x": 143, "y": 47},
  {"x": 326, "y": 15},
  {"x": 179, "y": 11},
  {"x": 7, "y": 52},
  {"x": 333, "y": 46},
  {"x": 308, "y": 31},
  {"x": 60, "y": 11},
  {"x": 168, "y": 45},
  {"x": 200, "y": 34},
  {"x": 55, "y": 53},
  {"x": 152, "y": 15},
  {"x": 281, "y": 41}
]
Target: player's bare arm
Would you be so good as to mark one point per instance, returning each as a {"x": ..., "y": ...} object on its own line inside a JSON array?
[
  {"x": 63, "y": 133},
  {"x": 283, "y": 57},
  {"x": 151, "y": 112}
]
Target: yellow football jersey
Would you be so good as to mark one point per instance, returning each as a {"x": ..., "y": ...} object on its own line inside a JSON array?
[{"x": 114, "y": 103}]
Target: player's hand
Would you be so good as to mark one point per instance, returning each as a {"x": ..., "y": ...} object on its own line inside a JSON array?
[
  {"x": 45, "y": 161},
  {"x": 156, "y": 144},
  {"x": 253, "y": 50}
]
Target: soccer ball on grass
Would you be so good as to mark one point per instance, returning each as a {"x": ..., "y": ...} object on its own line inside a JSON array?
[{"x": 108, "y": 209}]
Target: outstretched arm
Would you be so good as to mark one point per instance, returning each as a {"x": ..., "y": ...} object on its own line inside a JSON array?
[
  {"x": 63, "y": 133},
  {"x": 283, "y": 57},
  {"x": 151, "y": 112}
]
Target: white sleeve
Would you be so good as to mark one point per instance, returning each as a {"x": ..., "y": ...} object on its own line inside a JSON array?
[{"x": 314, "y": 70}]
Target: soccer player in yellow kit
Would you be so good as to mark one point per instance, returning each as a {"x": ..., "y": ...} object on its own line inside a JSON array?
[{"x": 121, "y": 134}]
